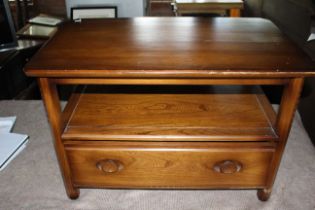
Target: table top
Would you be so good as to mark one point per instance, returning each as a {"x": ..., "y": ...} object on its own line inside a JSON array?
[{"x": 170, "y": 47}]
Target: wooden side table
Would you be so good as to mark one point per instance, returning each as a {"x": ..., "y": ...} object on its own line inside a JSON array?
[
  {"x": 216, "y": 131},
  {"x": 233, "y": 7}
]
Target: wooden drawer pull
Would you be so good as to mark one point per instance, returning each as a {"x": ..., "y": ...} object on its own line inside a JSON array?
[
  {"x": 110, "y": 166},
  {"x": 227, "y": 167}
]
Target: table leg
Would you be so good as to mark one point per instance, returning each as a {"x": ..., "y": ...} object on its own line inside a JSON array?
[
  {"x": 289, "y": 101},
  {"x": 53, "y": 109},
  {"x": 235, "y": 13}
]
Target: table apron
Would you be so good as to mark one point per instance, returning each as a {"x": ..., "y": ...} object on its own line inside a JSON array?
[{"x": 162, "y": 81}]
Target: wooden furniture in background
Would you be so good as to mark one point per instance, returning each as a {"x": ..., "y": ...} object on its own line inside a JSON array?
[
  {"x": 219, "y": 133},
  {"x": 231, "y": 7},
  {"x": 52, "y": 7},
  {"x": 13, "y": 80},
  {"x": 160, "y": 8},
  {"x": 23, "y": 10},
  {"x": 9, "y": 67}
]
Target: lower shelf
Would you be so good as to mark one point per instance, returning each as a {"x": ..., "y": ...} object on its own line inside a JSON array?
[
  {"x": 237, "y": 113},
  {"x": 198, "y": 165}
]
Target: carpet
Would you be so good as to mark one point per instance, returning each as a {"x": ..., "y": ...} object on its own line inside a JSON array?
[{"x": 33, "y": 181}]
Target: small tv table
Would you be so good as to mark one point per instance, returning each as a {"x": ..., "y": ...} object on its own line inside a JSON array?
[
  {"x": 233, "y": 7},
  {"x": 181, "y": 106}
]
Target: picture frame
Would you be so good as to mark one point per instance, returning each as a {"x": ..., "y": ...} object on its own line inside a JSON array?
[{"x": 94, "y": 12}]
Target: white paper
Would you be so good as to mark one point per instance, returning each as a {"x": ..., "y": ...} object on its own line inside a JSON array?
[
  {"x": 11, "y": 144},
  {"x": 311, "y": 37},
  {"x": 50, "y": 21},
  {"x": 6, "y": 124}
]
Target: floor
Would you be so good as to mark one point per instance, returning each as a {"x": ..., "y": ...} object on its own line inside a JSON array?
[{"x": 33, "y": 181}]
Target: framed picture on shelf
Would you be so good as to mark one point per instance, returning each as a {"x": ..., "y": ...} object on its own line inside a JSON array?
[{"x": 78, "y": 13}]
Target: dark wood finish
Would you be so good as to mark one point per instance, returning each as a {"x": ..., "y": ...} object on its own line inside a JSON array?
[
  {"x": 68, "y": 110},
  {"x": 164, "y": 81},
  {"x": 22, "y": 12},
  {"x": 220, "y": 114},
  {"x": 263, "y": 194},
  {"x": 52, "y": 7},
  {"x": 6, "y": 58},
  {"x": 12, "y": 78},
  {"x": 171, "y": 47},
  {"x": 171, "y": 51},
  {"x": 233, "y": 7},
  {"x": 160, "y": 8},
  {"x": 228, "y": 167},
  {"x": 288, "y": 106},
  {"x": 14, "y": 84},
  {"x": 110, "y": 166},
  {"x": 168, "y": 165},
  {"x": 51, "y": 99}
]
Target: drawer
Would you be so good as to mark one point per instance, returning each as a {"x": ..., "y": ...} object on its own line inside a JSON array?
[{"x": 197, "y": 165}]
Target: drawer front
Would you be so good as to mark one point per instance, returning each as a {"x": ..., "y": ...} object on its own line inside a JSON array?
[{"x": 169, "y": 165}]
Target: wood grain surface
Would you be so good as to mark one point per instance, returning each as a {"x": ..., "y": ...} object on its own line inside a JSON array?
[
  {"x": 239, "y": 113},
  {"x": 222, "y": 138},
  {"x": 169, "y": 165},
  {"x": 209, "y": 6},
  {"x": 170, "y": 47}
]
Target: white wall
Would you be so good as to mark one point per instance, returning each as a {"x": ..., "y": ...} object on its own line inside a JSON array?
[{"x": 126, "y": 8}]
